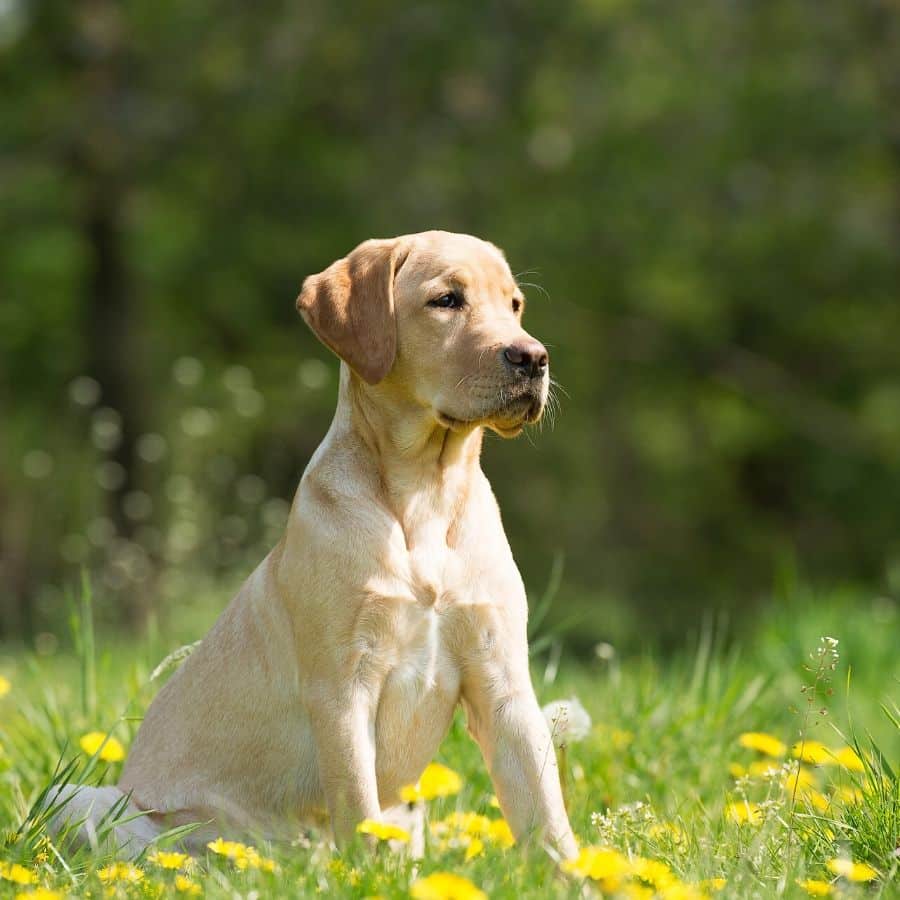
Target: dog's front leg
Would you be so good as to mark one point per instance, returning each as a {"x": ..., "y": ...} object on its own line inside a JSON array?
[
  {"x": 506, "y": 721},
  {"x": 344, "y": 731}
]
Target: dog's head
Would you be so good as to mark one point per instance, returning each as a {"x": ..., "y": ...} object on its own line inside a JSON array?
[{"x": 438, "y": 317}]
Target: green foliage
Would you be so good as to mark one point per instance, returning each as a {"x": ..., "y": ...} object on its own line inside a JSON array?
[
  {"x": 702, "y": 201},
  {"x": 650, "y": 780}
]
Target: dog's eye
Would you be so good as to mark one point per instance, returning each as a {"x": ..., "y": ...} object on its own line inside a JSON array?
[{"x": 447, "y": 301}]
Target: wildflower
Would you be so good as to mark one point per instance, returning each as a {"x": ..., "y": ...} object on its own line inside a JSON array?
[
  {"x": 445, "y": 886},
  {"x": 500, "y": 833},
  {"x": 652, "y": 871},
  {"x": 16, "y": 873},
  {"x": 816, "y": 799},
  {"x": 383, "y": 831},
  {"x": 228, "y": 849},
  {"x": 679, "y": 891},
  {"x": 5, "y": 686},
  {"x": 763, "y": 743},
  {"x": 737, "y": 770},
  {"x": 798, "y": 780},
  {"x": 634, "y": 890},
  {"x": 436, "y": 781},
  {"x": 98, "y": 742},
  {"x": 569, "y": 721},
  {"x": 850, "y": 870},
  {"x": 816, "y": 888},
  {"x": 168, "y": 860},
  {"x": 713, "y": 884},
  {"x": 666, "y": 831},
  {"x": 184, "y": 885},
  {"x": 120, "y": 871},
  {"x": 469, "y": 822},
  {"x": 602, "y": 864},
  {"x": 471, "y": 830},
  {"x": 241, "y": 855},
  {"x": 763, "y": 769},
  {"x": 814, "y": 752},
  {"x": 744, "y": 811},
  {"x": 849, "y": 759},
  {"x": 475, "y": 848},
  {"x": 39, "y": 894}
]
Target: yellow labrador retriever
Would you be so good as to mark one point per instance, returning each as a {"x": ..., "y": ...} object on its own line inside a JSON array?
[{"x": 332, "y": 677}]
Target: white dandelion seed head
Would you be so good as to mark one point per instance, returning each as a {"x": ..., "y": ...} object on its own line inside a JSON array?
[{"x": 569, "y": 721}]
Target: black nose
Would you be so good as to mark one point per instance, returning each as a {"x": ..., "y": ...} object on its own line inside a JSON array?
[{"x": 528, "y": 356}]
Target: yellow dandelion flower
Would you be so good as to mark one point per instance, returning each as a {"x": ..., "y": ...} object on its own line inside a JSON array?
[
  {"x": 383, "y": 831},
  {"x": 184, "y": 885},
  {"x": 850, "y": 870},
  {"x": 226, "y": 848},
  {"x": 5, "y": 686},
  {"x": 241, "y": 855},
  {"x": 436, "y": 781},
  {"x": 736, "y": 770},
  {"x": 849, "y": 759},
  {"x": 816, "y": 888},
  {"x": 245, "y": 857},
  {"x": 634, "y": 890},
  {"x": 652, "y": 871},
  {"x": 475, "y": 848},
  {"x": 621, "y": 739},
  {"x": 40, "y": 894},
  {"x": 744, "y": 812},
  {"x": 120, "y": 871},
  {"x": 713, "y": 884},
  {"x": 110, "y": 750},
  {"x": 667, "y": 831},
  {"x": 814, "y": 752},
  {"x": 816, "y": 799},
  {"x": 167, "y": 860},
  {"x": 679, "y": 891},
  {"x": 799, "y": 781},
  {"x": 468, "y": 822},
  {"x": 501, "y": 834},
  {"x": 762, "y": 743},
  {"x": 763, "y": 768},
  {"x": 600, "y": 863},
  {"x": 445, "y": 886},
  {"x": 17, "y": 874}
]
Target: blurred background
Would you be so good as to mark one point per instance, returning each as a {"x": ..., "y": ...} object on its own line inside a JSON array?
[{"x": 703, "y": 201}]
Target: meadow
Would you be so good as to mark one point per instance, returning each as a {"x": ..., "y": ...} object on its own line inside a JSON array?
[{"x": 759, "y": 766}]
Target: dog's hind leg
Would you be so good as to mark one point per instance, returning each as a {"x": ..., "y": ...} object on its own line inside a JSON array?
[{"x": 100, "y": 817}]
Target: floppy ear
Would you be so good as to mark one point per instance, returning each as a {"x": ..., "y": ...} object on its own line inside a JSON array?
[{"x": 350, "y": 307}]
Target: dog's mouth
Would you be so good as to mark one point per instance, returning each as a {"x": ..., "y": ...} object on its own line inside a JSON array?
[{"x": 508, "y": 419}]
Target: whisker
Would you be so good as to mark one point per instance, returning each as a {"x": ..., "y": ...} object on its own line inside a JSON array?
[
  {"x": 536, "y": 286},
  {"x": 558, "y": 386}
]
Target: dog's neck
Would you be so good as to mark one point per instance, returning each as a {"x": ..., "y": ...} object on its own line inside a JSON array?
[{"x": 423, "y": 467}]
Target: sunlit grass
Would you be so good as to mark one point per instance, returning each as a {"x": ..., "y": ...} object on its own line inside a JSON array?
[{"x": 762, "y": 768}]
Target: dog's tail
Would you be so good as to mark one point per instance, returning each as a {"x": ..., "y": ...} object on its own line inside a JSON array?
[{"x": 99, "y": 817}]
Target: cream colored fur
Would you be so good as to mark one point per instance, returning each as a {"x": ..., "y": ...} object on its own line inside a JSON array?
[{"x": 331, "y": 678}]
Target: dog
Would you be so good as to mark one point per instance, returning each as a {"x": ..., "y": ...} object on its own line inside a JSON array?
[{"x": 330, "y": 680}]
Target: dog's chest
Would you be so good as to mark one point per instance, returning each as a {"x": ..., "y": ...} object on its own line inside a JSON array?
[
  {"x": 418, "y": 683},
  {"x": 407, "y": 632}
]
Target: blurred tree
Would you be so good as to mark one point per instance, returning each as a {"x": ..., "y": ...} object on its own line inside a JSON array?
[{"x": 703, "y": 202}]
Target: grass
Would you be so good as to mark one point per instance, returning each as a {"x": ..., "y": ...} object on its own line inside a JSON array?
[{"x": 662, "y": 776}]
